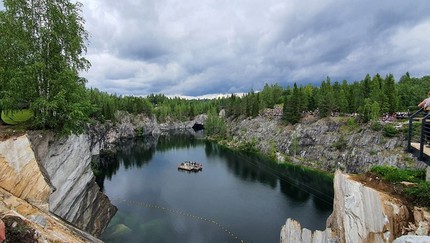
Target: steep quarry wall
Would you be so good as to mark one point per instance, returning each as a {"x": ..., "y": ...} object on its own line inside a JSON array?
[
  {"x": 362, "y": 214},
  {"x": 47, "y": 227},
  {"x": 20, "y": 173},
  {"x": 326, "y": 144},
  {"x": 76, "y": 198},
  {"x": 30, "y": 191}
]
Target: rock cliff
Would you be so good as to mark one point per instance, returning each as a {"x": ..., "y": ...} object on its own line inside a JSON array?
[
  {"x": 362, "y": 214},
  {"x": 129, "y": 125},
  {"x": 20, "y": 173},
  {"x": 326, "y": 144},
  {"x": 77, "y": 198},
  {"x": 34, "y": 185}
]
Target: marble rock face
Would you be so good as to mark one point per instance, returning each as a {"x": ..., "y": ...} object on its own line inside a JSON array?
[{"x": 363, "y": 214}]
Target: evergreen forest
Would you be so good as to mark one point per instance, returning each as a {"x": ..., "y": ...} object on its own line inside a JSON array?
[{"x": 42, "y": 48}]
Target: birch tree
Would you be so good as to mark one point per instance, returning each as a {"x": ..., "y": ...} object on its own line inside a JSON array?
[{"x": 42, "y": 43}]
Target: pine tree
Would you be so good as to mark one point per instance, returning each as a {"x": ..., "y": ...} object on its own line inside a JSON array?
[
  {"x": 391, "y": 93},
  {"x": 291, "y": 110}
]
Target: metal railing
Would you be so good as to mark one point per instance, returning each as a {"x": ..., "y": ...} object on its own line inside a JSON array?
[{"x": 423, "y": 115}]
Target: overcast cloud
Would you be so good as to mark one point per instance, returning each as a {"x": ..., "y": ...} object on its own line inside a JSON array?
[{"x": 198, "y": 47}]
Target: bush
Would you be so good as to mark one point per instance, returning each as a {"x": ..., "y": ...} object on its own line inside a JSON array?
[
  {"x": 352, "y": 123},
  {"x": 394, "y": 174},
  {"x": 249, "y": 146},
  {"x": 376, "y": 126},
  {"x": 390, "y": 131},
  {"x": 420, "y": 193}
]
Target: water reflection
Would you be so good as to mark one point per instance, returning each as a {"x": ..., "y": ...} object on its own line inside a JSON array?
[
  {"x": 251, "y": 196},
  {"x": 296, "y": 182}
]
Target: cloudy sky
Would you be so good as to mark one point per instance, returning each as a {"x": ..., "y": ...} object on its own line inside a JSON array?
[{"x": 198, "y": 47}]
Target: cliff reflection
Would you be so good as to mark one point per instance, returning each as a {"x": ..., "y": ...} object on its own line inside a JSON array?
[
  {"x": 295, "y": 182},
  {"x": 136, "y": 153},
  {"x": 249, "y": 194}
]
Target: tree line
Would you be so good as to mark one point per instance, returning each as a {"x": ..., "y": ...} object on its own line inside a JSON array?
[{"x": 42, "y": 44}]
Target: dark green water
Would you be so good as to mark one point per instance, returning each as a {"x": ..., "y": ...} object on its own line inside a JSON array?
[{"x": 236, "y": 196}]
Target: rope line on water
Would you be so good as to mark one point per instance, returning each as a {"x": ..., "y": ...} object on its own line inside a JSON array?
[{"x": 182, "y": 213}]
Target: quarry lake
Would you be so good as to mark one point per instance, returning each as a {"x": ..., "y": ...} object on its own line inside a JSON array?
[{"x": 236, "y": 197}]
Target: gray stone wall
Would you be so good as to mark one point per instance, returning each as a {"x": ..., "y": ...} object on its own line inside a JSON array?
[{"x": 77, "y": 197}]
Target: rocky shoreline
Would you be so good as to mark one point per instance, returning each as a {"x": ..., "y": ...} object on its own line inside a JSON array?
[
  {"x": 64, "y": 183},
  {"x": 327, "y": 144}
]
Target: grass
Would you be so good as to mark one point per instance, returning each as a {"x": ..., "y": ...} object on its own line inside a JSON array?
[
  {"x": 393, "y": 174},
  {"x": 419, "y": 194},
  {"x": 16, "y": 117}
]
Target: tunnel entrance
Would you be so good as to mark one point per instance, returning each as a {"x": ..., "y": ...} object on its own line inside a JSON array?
[{"x": 198, "y": 127}]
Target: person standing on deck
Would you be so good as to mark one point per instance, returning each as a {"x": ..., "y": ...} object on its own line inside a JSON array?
[{"x": 424, "y": 104}]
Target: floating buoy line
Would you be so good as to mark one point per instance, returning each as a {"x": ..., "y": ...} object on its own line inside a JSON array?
[{"x": 182, "y": 213}]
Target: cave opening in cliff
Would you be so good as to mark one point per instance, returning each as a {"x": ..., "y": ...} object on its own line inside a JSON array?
[{"x": 198, "y": 127}]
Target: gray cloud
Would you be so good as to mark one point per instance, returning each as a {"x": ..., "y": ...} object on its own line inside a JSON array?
[{"x": 218, "y": 46}]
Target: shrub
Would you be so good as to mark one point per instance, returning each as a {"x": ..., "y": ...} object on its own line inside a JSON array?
[
  {"x": 376, "y": 126},
  {"x": 420, "y": 193},
  {"x": 352, "y": 123},
  {"x": 249, "y": 146},
  {"x": 394, "y": 174},
  {"x": 390, "y": 131}
]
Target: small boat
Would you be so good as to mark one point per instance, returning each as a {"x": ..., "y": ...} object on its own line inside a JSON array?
[{"x": 190, "y": 166}]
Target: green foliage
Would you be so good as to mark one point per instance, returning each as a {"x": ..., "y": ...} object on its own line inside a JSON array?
[
  {"x": 352, "y": 123},
  {"x": 292, "y": 106},
  {"x": 215, "y": 125},
  {"x": 390, "y": 131},
  {"x": 327, "y": 102},
  {"x": 272, "y": 150},
  {"x": 420, "y": 193},
  {"x": 375, "y": 111},
  {"x": 376, "y": 126},
  {"x": 394, "y": 174},
  {"x": 294, "y": 147},
  {"x": 16, "y": 117},
  {"x": 249, "y": 146},
  {"x": 42, "y": 43}
]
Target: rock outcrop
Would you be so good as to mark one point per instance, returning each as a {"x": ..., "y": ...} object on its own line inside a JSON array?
[
  {"x": 292, "y": 232},
  {"x": 326, "y": 144},
  {"x": 20, "y": 173},
  {"x": 47, "y": 227},
  {"x": 129, "y": 125},
  {"x": 76, "y": 198},
  {"x": 362, "y": 214},
  {"x": 55, "y": 179}
]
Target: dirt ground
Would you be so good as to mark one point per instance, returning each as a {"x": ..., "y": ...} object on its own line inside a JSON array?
[
  {"x": 7, "y": 131},
  {"x": 18, "y": 231},
  {"x": 393, "y": 189}
]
